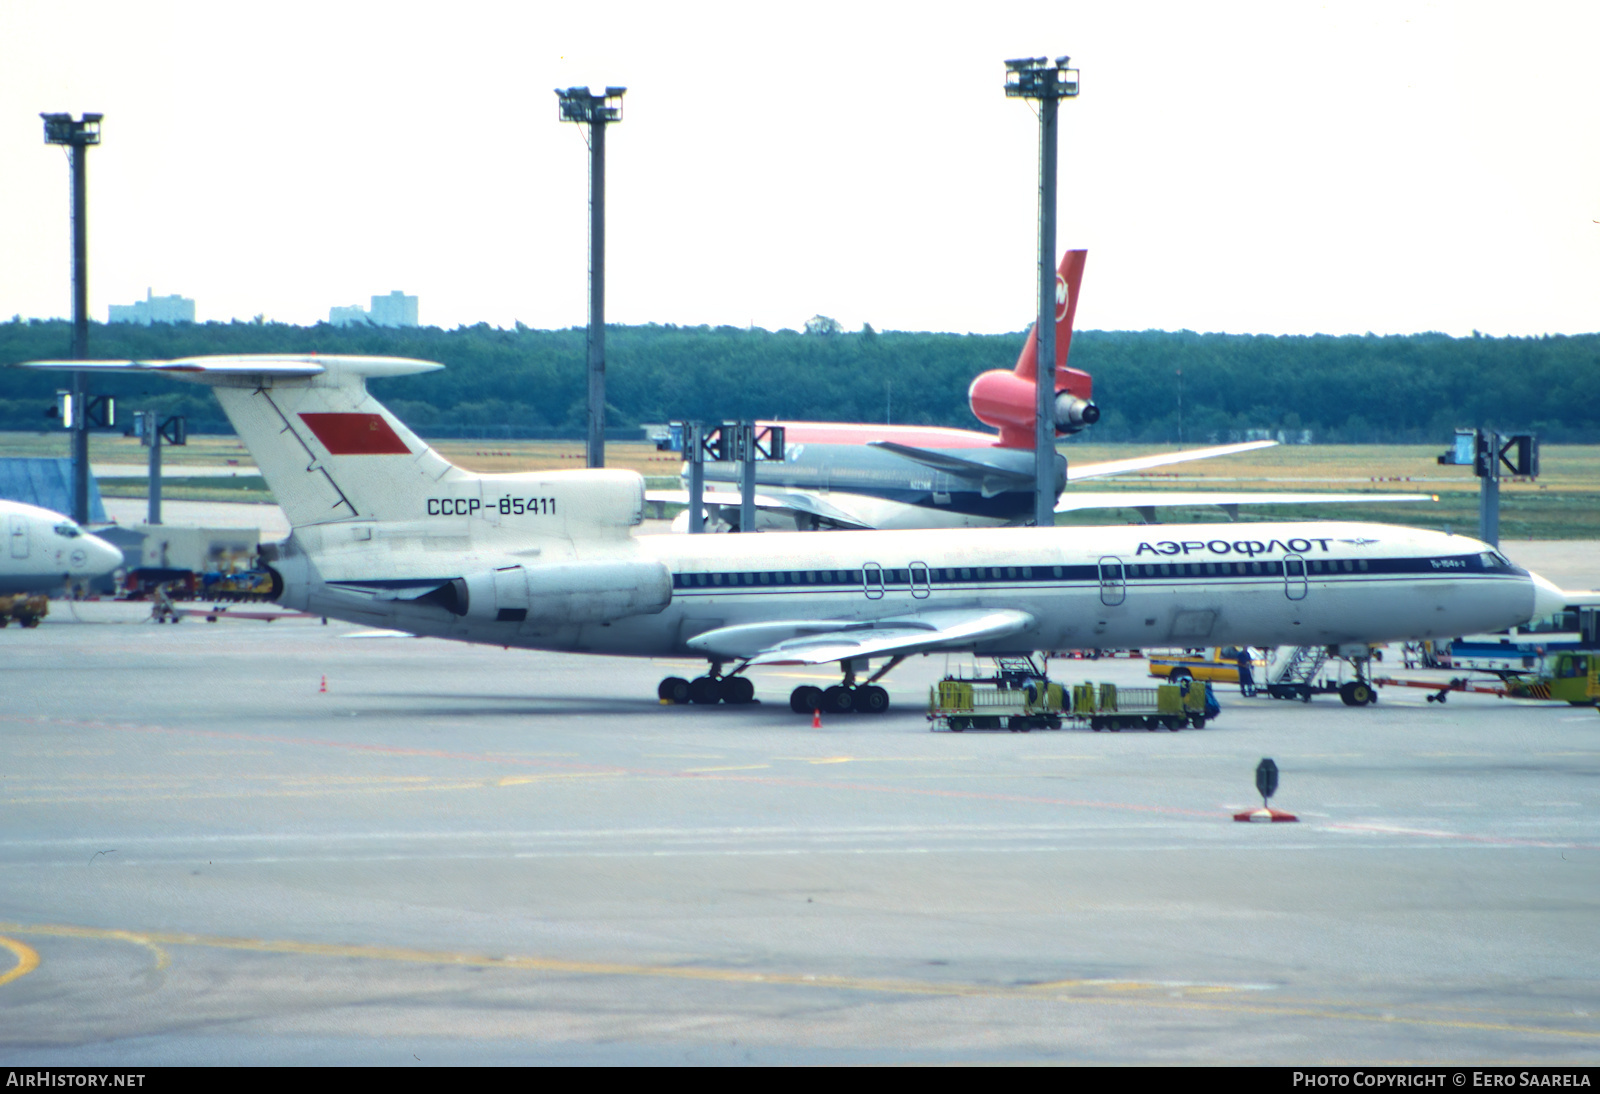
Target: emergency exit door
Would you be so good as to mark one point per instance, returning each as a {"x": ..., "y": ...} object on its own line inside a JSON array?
[
  {"x": 18, "y": 535},
  {"x": 1294, "y": 577},
  {"x": 1113, "y": 580}
]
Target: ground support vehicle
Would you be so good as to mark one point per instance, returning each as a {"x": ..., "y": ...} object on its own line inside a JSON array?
[
  {"x": 239, "y": 585},
  {"x": 1292, "y": 674},
  {"x": 26, "y": 608},
  {"x": 1569, "y": 676},
  {"x": 1165, "y": 706},
  {"x": 1020, "y": 706},
  {"x": 959, "y": 705},
  {"x": 1217, "y": 665}
]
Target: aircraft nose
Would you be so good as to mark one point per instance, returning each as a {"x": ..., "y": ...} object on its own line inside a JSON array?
[
  {"x": 1547, "y": 598},
  {"x": 103, "y": 556}
]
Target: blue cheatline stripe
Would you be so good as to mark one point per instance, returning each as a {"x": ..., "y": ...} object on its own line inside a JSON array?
[{"x": 956, "y": 577}]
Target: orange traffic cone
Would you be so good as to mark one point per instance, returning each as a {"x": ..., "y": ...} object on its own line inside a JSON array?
[
  {"x": 816, "y": 719},
  {"x": 323, "y": 690}
]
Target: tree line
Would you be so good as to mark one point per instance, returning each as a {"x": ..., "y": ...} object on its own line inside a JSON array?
[{"x": 1150, "y": 385}]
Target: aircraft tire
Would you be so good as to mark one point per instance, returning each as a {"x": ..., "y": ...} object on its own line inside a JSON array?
[
  {"x": 737, "y": 690},
  {"x": 1361, "y": 694},
  {"x": 838, "y": 700},
  {"x": 674, "y": 689},
  {"x": 805, "y": 699},
  {"x": 705, "y": 690},
  {"x": 871, "y": 699}
]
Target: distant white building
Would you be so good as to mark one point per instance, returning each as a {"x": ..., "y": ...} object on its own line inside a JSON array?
[
  {"x": 353, "y": 316},
  {"x": 154, "y": 309},
  {"x": 395, "y": 310}
]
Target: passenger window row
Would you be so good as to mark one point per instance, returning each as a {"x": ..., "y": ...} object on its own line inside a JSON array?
[{"x": 873, "y": 577}]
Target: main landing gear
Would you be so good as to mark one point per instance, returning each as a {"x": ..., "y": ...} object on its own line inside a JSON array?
[
  {"x": 708, "y": 690},
  {"x": 867, "y": 698}
]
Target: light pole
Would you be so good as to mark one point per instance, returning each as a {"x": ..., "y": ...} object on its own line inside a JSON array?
[
  {"x": 579, "y": 104},
  {"x": 1180, "y": 406},
  {"x": 1048, "y": 83},
  {"x": 76, "y": 137}
]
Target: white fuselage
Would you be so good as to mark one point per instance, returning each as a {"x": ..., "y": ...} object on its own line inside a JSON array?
[
  {"x": 44, "y": 551},
  {"x": 1311, "y": 583}
]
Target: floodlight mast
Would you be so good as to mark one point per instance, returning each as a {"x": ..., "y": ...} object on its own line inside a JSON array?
[
  {"x": 580, "y": 105},
  {"x": 1038, "y": 78},
  {"x": 76, "y": 137}
]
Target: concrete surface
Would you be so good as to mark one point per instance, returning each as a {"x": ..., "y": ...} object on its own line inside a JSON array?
[{"x": 471, "y": 855}]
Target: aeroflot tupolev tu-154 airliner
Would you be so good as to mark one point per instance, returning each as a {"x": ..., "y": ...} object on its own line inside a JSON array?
[{"x": 389, "y": 533}]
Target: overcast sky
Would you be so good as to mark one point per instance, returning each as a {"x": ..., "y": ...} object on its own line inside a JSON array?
[{"x": 1266, "y": 168}]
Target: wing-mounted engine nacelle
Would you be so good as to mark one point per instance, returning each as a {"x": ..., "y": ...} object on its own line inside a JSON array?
[{"x": 559, "y": 593}]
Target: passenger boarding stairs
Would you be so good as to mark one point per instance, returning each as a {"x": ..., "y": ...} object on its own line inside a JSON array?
[
  {"x": 1017, "y": 671},
  {"x": 1292, "y": 674}
]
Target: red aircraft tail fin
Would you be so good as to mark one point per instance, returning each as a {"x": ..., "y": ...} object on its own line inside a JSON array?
[
  {"x": 1007, "y": 400},
  {"x": 1069, "y": 276}
]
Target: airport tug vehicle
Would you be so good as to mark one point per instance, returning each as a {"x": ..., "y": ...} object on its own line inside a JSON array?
[
  {"x": 1020, "y": 697},
  {"x": 1567, "y": 676}
]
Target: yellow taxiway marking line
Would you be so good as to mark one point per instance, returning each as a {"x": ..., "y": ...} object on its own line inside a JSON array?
[
  {"x": 1128, "y": 993},
  {"x": 833, "y": 760},
  {"x": 27, "y": 960},
  {"x": 520, "y": 780},
  {"x": 735, "y": 767}
]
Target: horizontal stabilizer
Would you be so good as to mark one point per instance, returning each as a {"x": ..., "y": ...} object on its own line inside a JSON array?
[
  {"x": 222, "y": 368},
  {"x": 1160, "y": 459},
  {"x": 1074, "y": 500},
  {"x": 817, "y": 642}
]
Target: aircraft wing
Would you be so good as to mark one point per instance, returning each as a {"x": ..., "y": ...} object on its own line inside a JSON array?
[
  {"x": 789, "y": 502},
  {"x": 955, "y": 465},
  {"x": 819, "y": 641},
  {"x": 1073, "y": 500},
  {"x": 1160, "y": 459}
]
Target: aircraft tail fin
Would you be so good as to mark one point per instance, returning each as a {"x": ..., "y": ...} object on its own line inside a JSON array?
[
  {"x": 335, "y": 456},
  {"x": 1007, "y": 400},
  {"x": 328, "y": 450},
  {"x": 1069, "y": 278}
]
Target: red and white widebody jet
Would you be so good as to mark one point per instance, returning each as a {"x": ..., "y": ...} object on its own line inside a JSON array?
[{"x": 860, "y": 475}]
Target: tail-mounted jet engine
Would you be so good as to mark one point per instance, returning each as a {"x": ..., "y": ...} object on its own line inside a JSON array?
[
  {"x": 1006, "y": 401},
  {"x": 558, "y": 593}
]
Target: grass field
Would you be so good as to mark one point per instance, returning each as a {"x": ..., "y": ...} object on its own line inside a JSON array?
[{"x": 1563, "y": 504}]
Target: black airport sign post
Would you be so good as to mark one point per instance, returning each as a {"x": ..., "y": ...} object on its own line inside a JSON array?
[
  {"x": 1490, "y": 455},
  {"x": 744, "y": 443}
]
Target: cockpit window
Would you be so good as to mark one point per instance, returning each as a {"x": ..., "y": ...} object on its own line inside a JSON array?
[{"x": 67, "y": 530}]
